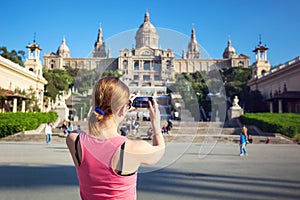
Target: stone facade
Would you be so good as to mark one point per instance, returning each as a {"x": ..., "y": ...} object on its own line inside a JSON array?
[
  {"x": 279, "y": 85},
  {"x": 14, "y": 76},
  {"x": 147, "y": 64}
]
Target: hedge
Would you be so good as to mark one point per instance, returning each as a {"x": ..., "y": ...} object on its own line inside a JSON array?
[
  {"x": 285, "y": 123},
  {"x": 11, "y": 123}
]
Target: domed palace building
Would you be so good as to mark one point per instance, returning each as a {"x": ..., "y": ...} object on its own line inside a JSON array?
[{"x": 146, "y": 64}]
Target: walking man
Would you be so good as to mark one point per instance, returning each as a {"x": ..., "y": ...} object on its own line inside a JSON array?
[{"x": 48, "y": 132}]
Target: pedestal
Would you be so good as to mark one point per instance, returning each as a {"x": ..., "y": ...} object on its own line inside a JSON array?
[{"x": 235, "y": 113}]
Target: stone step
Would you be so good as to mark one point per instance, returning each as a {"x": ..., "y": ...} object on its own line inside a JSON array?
[
  {"x": 185, "y": 112},
  {"x": 188, "y": 119},
  {"x": 182, "y": 138},
  {"x": 216, "y": 139},
  {"x": 184, "y": 125}
]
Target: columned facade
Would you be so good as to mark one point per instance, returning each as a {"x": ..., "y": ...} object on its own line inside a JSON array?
[
  {"x": 280, "y": 86},
  {"x": 29, "y": 78},
  {"x": 146, "y": 64}
]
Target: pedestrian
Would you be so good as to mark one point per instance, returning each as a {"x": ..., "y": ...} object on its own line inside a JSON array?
[
  {"x": 48, "y": 132},
  {"x": 150, "y": 133},
  {"x": 169, "y": 126},
  {"x": 123, "y": 131},
  {"x": 135, "y": 126},
  {"x": 78, "y": 130},
  {"x": 106, "y": 162},
  {"x": 70, "y": 127},
  {"x": 128, "y": 125},
  {"x": 243, "y": 141},
  {"x": 64, "y": 127},
  {"x": 176, "y": 115},
  {"x": 250, "y": 139}
]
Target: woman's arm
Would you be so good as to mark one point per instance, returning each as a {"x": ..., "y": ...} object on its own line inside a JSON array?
[
  {"x": 154, "y": 113},
  {"x": 144, "y": 152},
  {"x": 70, "y": 140}
]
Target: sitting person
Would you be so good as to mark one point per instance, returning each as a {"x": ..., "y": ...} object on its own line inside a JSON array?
[
  {"x": 164, "y": 129},
  {"x": 150, "y": 133}
]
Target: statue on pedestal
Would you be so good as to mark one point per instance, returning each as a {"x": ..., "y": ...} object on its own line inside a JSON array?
[{"x": 235, "y": 111}]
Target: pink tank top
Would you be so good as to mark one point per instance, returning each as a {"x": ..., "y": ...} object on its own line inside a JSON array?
[{"x": 96, "y": 177}]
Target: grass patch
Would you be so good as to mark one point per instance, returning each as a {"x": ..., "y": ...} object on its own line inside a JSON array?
[
  {"x": 11, "y": 123},
  {"x": 285, "y": 123}
]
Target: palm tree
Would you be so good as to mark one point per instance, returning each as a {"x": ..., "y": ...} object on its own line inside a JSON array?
[{"x": 14, "y": 56}]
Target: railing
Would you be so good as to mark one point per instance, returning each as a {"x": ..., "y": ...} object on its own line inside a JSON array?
[
  {"x": 56, "y": 103},
  {"x": 282, "y": 66}
]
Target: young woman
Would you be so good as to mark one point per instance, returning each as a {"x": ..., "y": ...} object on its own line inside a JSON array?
[
  {"x": 107, "y": 163},
  {"x": 243, "y": 142}
]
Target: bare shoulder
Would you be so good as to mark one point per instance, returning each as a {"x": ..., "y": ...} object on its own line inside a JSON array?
[
  {"x": 138, "y": 146},
  {"x": 143, "y": 152},
  {"x": 70, "y": 140}
]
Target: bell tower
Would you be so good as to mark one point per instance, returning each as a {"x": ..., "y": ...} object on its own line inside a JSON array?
[
  {"x": 261, "y": 65},
  {"x": 33, "y": 62}
]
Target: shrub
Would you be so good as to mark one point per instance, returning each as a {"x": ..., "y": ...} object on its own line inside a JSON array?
[
  {"x": 11, "y": 123},
  {"x": 285, "y": 123}
]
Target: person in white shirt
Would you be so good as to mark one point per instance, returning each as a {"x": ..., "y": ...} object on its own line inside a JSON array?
[{"x": 48, "y": 132}]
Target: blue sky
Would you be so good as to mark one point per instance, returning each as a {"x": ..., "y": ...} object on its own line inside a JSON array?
[{"x": 243, "y": 20}]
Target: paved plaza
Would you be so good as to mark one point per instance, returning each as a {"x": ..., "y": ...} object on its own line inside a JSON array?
[{"x": 31, "y": 170}]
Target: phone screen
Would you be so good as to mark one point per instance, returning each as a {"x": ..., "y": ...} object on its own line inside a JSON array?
[{"x": 142, "y": 102}]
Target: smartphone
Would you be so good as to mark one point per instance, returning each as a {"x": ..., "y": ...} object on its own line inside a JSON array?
[{"x": 142, "y": 102}]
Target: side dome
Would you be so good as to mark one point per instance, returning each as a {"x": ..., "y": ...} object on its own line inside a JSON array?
[
  {"x": 147, "y": 34},
  {"x": 229, "y": 51},
  {"x": 63, "y": 49}
]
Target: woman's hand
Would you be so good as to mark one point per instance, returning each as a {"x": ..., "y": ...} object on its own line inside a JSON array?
[
  {"x": 131, "y": 98},
  {"x": 154, "y": 115}
]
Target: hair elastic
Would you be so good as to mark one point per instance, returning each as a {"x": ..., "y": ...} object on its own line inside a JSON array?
[{"x": 98, "y": 110}]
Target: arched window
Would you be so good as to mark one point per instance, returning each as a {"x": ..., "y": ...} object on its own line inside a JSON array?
[
  {"x": 52, "y": 64},
  {"x": 241, "y": 64},
  {"x": 147, "y": 65},
  {"x": 125, "y": 63},
  {"x": 157, "y": 66},
  {"x": 136, "y": 65},
  {"x": 168, "y": 63}
]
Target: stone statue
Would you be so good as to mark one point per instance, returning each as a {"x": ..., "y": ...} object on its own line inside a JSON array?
[
  {"x": 235, "y": 111},
  {"x": 235, "y": 102}
]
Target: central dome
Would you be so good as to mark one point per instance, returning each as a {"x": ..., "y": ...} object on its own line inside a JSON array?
[
  {"x": 146, "y": 35},
  {"x": 63, "y": 49}
]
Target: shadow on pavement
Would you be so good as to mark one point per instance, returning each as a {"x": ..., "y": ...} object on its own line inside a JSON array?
[
  {"x": 14, "y": 176},
  {"x": 215, "y": 186}
]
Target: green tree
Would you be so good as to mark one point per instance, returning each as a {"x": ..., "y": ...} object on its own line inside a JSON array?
[
  {"x": 114, "y": 73},
  {"x": 71, "y": 71},
  {"x": 58, "y": 80},
  {"x": 14, "y": 56},
  {"x": 32, "y": 104},
  {"x": 86, "y": 79},
  {"x": 234, "y": 79}
]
